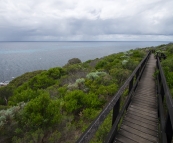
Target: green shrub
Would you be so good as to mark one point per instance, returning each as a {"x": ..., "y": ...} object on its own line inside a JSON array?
[
  {"x": 30, "y": 137},
  {"x": 56, "y": 73},
  {"x": 41, "y": 82},
  {"x": 168, "y": 63},
  {"x": 101, "y": 64},
  {"x": 120, "y": 74},
  {"x": 74, "y": 101},
  {"x": 62, "y": 91},
  {"x": 90, "y": 113},
  {"x": 131, "y": 65},
  {"x": 41, "y": 112},
  {"x": 138, "y": 53},
  {"x": 24, "y": 78},
  {"x": 24, "y": 96}
]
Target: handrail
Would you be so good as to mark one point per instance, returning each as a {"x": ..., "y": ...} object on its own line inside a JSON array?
[
  {"x": 166, "y": 124},
  {"x": 115, "y": 105}
]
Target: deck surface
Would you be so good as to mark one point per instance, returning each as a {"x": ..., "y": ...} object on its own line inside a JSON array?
[{"x": 140, "y": 124}]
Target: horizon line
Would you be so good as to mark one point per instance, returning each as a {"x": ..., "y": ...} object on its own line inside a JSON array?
[{"x": 91, "y": 41}]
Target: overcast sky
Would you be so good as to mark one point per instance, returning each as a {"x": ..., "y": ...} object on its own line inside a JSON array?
[{"x": 86, "y": 20}]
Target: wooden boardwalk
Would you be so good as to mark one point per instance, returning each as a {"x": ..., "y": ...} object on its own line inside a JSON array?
[{"x": 140, "y": 124}]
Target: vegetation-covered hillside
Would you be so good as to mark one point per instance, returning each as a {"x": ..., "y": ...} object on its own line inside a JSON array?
[{"x": 57, "y": 105}]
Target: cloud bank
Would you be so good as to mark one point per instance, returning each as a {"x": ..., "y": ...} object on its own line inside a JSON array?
[{"x": 87, "y": 20}]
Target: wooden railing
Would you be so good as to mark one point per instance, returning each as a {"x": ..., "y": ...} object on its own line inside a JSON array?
[
  {"x": 165, "y": 104},
  {"x": 115, "y": 105}
]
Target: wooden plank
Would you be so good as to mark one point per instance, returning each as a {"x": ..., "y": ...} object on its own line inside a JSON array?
[
  {"x": 134, "y": 137},
  {"x": 152, "y": 123},
  {"x": 142, "y": 88},
  {"x": 149, "y": 94},
  {"x": 144, "y": 104},
  {"x": 147, "y": 83},
  {"x": 116, "y": 141},
  {"x": 144, "y": 109},
  {"x": 152, "y": 95},
  {"x": 146, "y": 79},
  {"x": 139, "y": 133},
  {"x": 146, "y": 97},
  {"x": 140, "y": 128},
  {"x": 123, "y": 139},
  {"x": 142, "y": 99},
  {"x": 144, "y": 113},
  {"x": 146, "y": 89},
  {"x": 143, "y": 116},
  {"x": 150, "y": 86},
  {"x": 148, "y": 126},
  {"x": 145, "y": 101}
]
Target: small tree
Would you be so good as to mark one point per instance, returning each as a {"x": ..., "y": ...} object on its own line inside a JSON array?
[
  {"x": 5, "y": 93},
  {"x": 74, "y": 61}
]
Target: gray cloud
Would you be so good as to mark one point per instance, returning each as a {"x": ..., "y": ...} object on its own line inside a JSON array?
[{"x": 86, "y": 20}]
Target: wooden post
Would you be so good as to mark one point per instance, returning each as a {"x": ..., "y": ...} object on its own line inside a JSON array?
[
  {"x": 116, "y": 110},
  {"x": 168, "y": 129},
  {"x": 131, "y": 85}
]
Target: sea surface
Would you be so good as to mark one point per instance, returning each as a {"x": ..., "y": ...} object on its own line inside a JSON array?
[{"x": 17, "y": 58}]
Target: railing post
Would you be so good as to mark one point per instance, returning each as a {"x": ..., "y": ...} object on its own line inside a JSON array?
[
  {"x": 116, "y": 110},
  {"x": 131, "y": 84},
  {"x": 161, "y": 111},
  {"x": 140, "y": 68},
  {"x": 130, "y": 88},
  {"x": 137, "y": 75},
  {"x": 168, "y": 129},
  {"x": 162, "y": 91}
]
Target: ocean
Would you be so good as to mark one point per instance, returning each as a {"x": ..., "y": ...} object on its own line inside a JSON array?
[{"x": 17, "y": 58}]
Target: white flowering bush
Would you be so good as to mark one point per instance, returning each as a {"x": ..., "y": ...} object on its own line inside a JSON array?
[
  {"x": 6, "y": 116},
  {"x": 94, "y": 75},
  {"x": 124, "y": 62},
  {"x": 128, "y": 53},
  {"x": 72, "y": 86},
  {"x": 126, "y": 57},
  {"x": 80, "y": 81}
]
